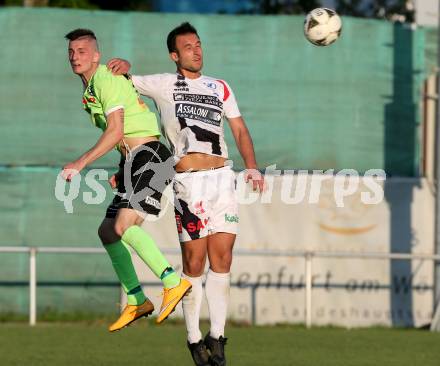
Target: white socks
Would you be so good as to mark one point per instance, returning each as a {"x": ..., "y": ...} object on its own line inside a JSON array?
[
  {"x": 217, "y": 293},
  {"x": 191, "y": 304}
]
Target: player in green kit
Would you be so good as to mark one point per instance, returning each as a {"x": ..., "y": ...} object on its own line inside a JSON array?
[{"x": 127, "y": 124}]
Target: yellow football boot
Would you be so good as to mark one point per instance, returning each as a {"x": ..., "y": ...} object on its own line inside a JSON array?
[
  {"x": 132, "y": 313},
  {"x": 171, "y": 297}
]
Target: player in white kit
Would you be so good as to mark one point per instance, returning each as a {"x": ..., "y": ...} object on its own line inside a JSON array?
[{"x": 192, "y": 107}]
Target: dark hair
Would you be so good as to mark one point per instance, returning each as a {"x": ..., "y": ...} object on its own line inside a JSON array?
[
  {"x": 79, "y": 33},
  {"x": 184, "y": 28}
]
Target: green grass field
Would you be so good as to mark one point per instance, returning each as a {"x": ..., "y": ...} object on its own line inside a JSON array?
[{"x": 146, "y": 344}]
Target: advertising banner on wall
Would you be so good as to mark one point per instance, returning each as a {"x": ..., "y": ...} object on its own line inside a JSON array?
[
  {"x": 426, "y": 12},
  {"x": 326, "y": 214}
]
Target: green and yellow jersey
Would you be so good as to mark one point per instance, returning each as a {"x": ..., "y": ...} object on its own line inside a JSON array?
[{"x": 106, "y": 93}]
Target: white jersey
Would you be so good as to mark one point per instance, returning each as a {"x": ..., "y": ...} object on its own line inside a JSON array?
[{"x": 191, "y": 111}]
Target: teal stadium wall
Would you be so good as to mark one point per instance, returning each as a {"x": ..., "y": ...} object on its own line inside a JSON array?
[{"x": 352, "y": 105}]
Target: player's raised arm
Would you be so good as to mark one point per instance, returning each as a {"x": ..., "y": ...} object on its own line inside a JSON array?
[
  {"x": 107, "y": 141},
  {"x": 245, "y": 146},
  {"x": 118, "y": 66}
]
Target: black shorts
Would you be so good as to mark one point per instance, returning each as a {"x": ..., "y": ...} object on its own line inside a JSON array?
[{"x": 146, "y": 171}]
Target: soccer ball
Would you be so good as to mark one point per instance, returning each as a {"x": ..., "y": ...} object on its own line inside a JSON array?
[{"x": 322, "y": 26}]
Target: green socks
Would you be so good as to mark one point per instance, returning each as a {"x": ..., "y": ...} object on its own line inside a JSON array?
[
  {"x": 121, "y": 261},
  {"x": 147, "y": 249}
]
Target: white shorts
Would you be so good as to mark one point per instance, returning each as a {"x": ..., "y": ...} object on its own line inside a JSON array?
[{"x": 205, "y": 203}]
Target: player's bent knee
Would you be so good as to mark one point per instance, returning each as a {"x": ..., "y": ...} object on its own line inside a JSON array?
[
  {"x": 222, "y": 263},
  {"x": 194, "y": 267}
]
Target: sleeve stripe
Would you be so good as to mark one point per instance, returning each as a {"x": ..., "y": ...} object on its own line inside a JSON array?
[
  {"x": 111, "y": 110},
  {"x": 226, "y": 92}
]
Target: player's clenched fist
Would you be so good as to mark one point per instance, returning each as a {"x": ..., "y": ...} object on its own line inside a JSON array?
[{"x": 70, "y": 170}]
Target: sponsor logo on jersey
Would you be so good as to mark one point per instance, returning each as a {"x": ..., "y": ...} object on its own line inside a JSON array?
[
  {"x": 231, "y": 218},
  {"x": 199, "y": 113},
  {"x": 152, "y": 202},
  {"x": 180, "y": 84},
  {"x": 198, "y": 98},
  {"x": 192, "y": 226},
  {"x": 210, "y": 85}
]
